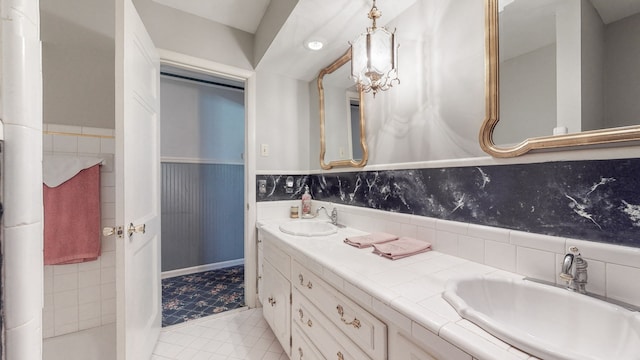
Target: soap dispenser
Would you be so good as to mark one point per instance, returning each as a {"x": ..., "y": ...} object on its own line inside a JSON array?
[{"x": 306, "y": 201}]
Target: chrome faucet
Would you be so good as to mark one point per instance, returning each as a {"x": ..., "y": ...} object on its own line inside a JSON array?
[
  {"x": 333, "y": 216},
  {"x": 574, "y": 271}
]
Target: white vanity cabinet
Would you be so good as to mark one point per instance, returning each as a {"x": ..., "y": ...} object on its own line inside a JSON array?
[
  {"x": 344, "y": 318},
  {"x": 424, "y": 345},
  {"x": 259, "y": 277},
  {"x": 302, "y": 348},
  {"x": 276, "y": 293},
  {"x": 327, "y": 338},
  {"x": 312, "y": 319}
]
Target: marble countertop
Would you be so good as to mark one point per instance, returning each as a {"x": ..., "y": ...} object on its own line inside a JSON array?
[{"x": 406, "y": 291}]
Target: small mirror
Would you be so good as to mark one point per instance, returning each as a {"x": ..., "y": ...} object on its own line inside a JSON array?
[{"x": 342, "y": 134}]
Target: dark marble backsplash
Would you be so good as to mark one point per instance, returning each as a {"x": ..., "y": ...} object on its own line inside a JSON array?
[{"x": 596, "y": 200}]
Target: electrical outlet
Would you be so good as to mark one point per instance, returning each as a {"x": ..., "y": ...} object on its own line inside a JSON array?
[{"x": 264, "y": 149}]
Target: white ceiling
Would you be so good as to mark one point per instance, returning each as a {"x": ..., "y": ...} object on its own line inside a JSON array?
[
  {"x": 530, "y": 25},
  {"x": 335, "y": 22},
  {"x": 614, "y": 10},
  {"x": 240, "y": 14}
]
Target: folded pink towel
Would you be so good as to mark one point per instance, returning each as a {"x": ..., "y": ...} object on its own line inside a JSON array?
[
  {"x": 403, "y": 247},
  {"x": 364, "y": 241}
]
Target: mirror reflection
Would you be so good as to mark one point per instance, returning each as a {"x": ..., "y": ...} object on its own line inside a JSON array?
[
  {"x": 342, "y": 140},
  {"x": 567, "y": 66}
]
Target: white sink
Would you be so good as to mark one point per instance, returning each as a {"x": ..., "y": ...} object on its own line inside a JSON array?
[
  {"x": 545, "y": 321},
  {"x": 308, "y": 228}
]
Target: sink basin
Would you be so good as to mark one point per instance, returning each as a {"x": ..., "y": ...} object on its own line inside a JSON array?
[
  {"x": 308, "y": 228},
  {"x": 546, "y": 321}
]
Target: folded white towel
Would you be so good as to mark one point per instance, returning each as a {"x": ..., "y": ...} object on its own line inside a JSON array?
[{"x": 57, "y": 169}]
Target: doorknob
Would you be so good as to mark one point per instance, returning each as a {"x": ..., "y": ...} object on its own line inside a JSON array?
[
  {"x": 116, "y": 230},
  {"x": 136, "y": 229}
]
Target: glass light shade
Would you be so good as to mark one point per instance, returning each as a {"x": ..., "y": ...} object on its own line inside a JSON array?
[{"x": 374, "y": 60}]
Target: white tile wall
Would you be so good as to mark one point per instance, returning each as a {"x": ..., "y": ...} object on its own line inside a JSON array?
[
  {"x": 82, "y": 296},
  {"x": 535, "y": 255}
]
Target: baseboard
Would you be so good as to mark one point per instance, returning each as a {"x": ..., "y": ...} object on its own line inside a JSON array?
[{"x": 201, "y": 268}]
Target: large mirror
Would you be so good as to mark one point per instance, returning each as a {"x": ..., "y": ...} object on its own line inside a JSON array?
[
  {"x": 342, "y": 132},
  {"x": 560, "y": 73}
]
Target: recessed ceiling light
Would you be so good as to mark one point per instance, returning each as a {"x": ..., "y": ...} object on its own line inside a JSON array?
[{"x": 314, "y": 44}]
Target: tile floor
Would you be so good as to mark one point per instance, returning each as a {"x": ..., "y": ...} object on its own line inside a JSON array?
[{"x": 239, "y": 334}]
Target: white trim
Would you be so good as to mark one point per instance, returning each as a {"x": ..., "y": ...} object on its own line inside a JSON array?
[
  {"x": 539, "y": 157},
  {"x": 185, "y": 160},
  {"x": 201, "y": 268},
  {"x": 249, "y": 77},
  {"x": 192, "y": 63},
  {"x": 292, "y": 172}
]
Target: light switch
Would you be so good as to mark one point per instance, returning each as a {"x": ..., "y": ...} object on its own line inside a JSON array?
[{"x": 264, "y": 149}]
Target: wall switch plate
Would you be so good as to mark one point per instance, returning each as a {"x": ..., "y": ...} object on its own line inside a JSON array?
[
  {"x": 262, "y": 186},
  {"x": 264, "y": 149}
]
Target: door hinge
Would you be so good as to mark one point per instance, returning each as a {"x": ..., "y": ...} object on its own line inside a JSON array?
[
  {"x": 290, "y": 341},
  {"x": 290, "y": 299}
]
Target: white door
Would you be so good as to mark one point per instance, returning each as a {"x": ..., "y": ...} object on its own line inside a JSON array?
[{"x": 137, "y": 164}]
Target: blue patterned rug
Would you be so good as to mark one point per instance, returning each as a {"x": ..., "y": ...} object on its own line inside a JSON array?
[{"x": 201, "y": 294}]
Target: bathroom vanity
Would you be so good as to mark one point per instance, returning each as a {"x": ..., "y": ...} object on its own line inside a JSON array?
[{"x": 327, "y": 300}]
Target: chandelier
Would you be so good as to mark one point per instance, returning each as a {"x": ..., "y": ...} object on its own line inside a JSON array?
[{"x": 374, "y": 57}]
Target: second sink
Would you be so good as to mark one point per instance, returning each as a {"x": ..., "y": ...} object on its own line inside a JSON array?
[{"x": 546, "y": 321}]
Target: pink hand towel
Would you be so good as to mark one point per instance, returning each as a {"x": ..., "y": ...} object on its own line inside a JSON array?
[
  {"x": 403, "y": 247},
  {"x": 72, "y": 219},
  {"x": 364, "y": 241}
]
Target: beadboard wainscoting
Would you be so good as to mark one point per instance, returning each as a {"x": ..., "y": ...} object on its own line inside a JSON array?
[{"x": 202, "y": 214}]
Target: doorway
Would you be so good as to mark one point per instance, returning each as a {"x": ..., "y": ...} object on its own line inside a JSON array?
[{"x": 202, "y": 198}]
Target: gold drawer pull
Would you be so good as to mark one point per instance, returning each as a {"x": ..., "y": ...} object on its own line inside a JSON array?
[
  {"x": 355, "y": 322},
  {"x": 340, "y": 356},
  {"x": 301, "y": 278},
  {"x": 272, "y": 301},
  {"x": 309, "y": 322},
  {"x": 300, "y": 351}
]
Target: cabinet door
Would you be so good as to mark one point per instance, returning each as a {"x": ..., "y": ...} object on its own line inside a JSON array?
[
  {"x": 259, "y": 284},
  {"x": 276, "y": 307},
  {"x": 302, "y": 348},
  {"x": 406, "y": 350}
]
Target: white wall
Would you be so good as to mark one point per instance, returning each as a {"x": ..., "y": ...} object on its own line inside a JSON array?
[
  {"x": 78, "y": 51},
  {"x": 282, "y": 122},
  {"x": 337, "y": 121},
  {"x": 568, "y": 65},
  {"x": 436, "y": 111},
  {"x": 196, "y": 36},
  {"x": 593, "y": 53},
  {"x": 82, "y": 296},
  {"x": 527, "y": 96},
  {"x": 201, "y": 122},
  {"x": 622, "y": 80},
  {"x": 22, "y": 234}
]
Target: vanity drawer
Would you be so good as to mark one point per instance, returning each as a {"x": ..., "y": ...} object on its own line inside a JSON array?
[
  {"x": 278, "y": 258},
  {"x": 355, "y": 322},
  {"x": 330, "y": 341},
  {"x": 301, "y": 347}
]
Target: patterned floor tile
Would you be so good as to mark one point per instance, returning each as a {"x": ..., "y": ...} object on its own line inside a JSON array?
[{"x": 201, "y": 294}]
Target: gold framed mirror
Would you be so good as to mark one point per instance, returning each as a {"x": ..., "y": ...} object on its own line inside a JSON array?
[
  {"x": 342, "y": 117},
  {"x": 610, "y": 135}
]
